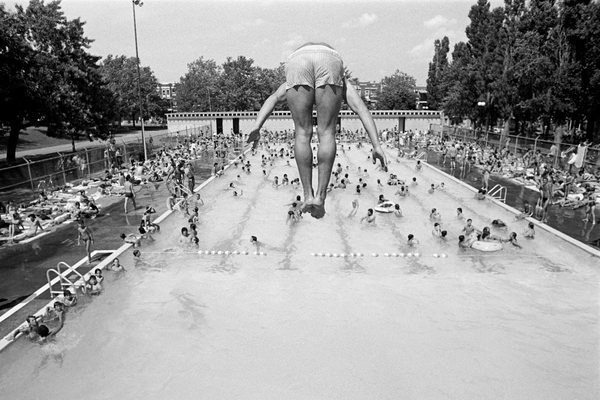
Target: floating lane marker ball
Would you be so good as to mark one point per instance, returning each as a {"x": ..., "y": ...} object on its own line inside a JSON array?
[
  {"x": 393, "y": 255},
  {"x": 319, "y": 254},
  {"x": 219, "y": 252},
  {"x": 386, "y": 254},
  {"x": 245, "y": 252},
  {"x": 313, "y": 254},
  {"x": 375, "y": 255},
  {"x": 342, "y": 255},
  {"x": 416, "y": 254},
  {"x": 326, "y": 255},
  {"x": 444, "y": 255},
  {"x": 213, "y": 252},
  {"x": 360, "y": 254},
  {"x": 409, "y": 254},
  {"x": 401, "y": 254},
  {"x": 200, "y": 252},
  {"x": 226, "y": 252},
  {"x": 435, "y": 255},
  {"x": 256, "y": 253},
  {"x": 235, "y": 252},
  {"x": 262, "y": 253}
]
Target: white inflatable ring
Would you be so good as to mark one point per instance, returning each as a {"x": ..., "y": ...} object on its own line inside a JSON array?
[
  {"x": 487, "y": 246},
  {"x": 385, "y": 207}
]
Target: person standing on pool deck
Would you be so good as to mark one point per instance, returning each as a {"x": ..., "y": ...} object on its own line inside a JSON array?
[
  {"x": 315, "y": 76},
  {"x": 129, "y": 194},
  {"x": 83, "y": 232}
]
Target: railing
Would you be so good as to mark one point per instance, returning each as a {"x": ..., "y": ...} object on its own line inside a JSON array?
[
  {"x": 519, "y": 144},
  {"x": 21, "y": 182},
  {"x": 498, "y": 192},
  {"x": 63, "y": 278}
]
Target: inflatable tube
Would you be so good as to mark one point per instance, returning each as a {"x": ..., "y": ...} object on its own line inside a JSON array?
[
  {"x": 61, "y": 218},
  {"x": 575, "y": 196},
  {"x": 385, "y": 207},
  {"x": 487, "y": 246}
]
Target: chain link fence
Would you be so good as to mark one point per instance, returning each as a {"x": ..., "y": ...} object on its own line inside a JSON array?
[
  {"x": 55, "y": 170},
  {"x": 519, "y": 145}
]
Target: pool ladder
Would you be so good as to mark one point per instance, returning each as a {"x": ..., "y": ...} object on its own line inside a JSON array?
[
  {"x": 64, "y": 280},
  {"x": 498, "y": 192},
  {"x": 421, "y": 156}
]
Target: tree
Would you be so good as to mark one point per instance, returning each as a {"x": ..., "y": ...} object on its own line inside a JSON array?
[
  {"x": 459, "y": 85},
  {"x": 196, "y": 87},
  {"x": 120, "y": 74},
  {"x": 437, "y": 69},
  {"x": 46, "y": 74},
  {"x": 398, "y": 92},
  {"x": 238, "y": 87},
  {"x": 579, "y": 26}
]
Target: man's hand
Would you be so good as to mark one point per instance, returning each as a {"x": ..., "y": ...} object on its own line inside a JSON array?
[
  {"x": 378, "y": 154},
  {"x": 254, "y": 136}
]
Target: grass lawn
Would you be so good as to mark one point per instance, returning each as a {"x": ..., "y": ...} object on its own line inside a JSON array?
[{"x": 35, "y": 138}]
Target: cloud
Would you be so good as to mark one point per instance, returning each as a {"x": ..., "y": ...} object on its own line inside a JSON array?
[
  {"x": 438, "y": 21},
  {"x": 425, "y": 47},
  {"x": 360, "y": 22}
]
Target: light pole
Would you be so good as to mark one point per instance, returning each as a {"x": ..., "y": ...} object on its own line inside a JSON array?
[{"x": 139, "y": 83}]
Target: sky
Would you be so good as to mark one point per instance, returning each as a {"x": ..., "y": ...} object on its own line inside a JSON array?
[{"x": 374, "y": 37}]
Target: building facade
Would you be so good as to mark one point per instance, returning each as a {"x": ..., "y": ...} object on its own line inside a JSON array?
[
  {"x": 168, "y": 91},
  {"x": 235, "y": 122}
]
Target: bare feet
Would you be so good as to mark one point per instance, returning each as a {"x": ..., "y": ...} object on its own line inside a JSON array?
[{"x": 314, "y": 206}]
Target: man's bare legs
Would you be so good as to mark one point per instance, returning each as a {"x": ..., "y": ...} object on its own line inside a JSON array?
[
  {"x": 328, "y": 100},
  {"x": 300, "y": 101}
]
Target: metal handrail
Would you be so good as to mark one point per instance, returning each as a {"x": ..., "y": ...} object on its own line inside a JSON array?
[
  {"x": 498, "y": 192},
  {"x": 62, "y": 278}
]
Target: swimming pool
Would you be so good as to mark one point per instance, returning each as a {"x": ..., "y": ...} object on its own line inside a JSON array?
[{"x": 518, "y": 324}]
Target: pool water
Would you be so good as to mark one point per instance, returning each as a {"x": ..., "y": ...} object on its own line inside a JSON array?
[{"x": 516, "y": 324}]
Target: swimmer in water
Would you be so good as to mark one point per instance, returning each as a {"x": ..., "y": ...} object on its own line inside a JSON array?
[
  {"x": 465, "y": 242},
  {"x": 92, "y": 287},
  {"x": 459, "y": 214},
  {"x": 397, "y": 210},
  {"x": 512, "y": 239},
  {"x": 530, "y": 231},
  {"x": 354, "y": 207},
  {"x": 46, "y": 333},
  {"x": 254, "y": 242},
  {"x": 412, "y": 241},
  {"x": 469, "y": 229},
  {"x": 30, "y": 328},
  {"x": 370, "y": 217},
  {"x": 325, "y": 90},
  {"x": 435, "y": 215},
  {"x": 437, "y": 230}
]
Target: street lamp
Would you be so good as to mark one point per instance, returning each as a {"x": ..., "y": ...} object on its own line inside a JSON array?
[{"x": 139, "y": 83}]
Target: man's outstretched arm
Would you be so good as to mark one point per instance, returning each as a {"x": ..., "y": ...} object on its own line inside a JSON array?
[
  {"x": 358, "y": 106},
  {"x": 278, "y": 97}
]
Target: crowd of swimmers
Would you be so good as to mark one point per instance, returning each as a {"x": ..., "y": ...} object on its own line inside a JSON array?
[{"x": 41, "y": 328}]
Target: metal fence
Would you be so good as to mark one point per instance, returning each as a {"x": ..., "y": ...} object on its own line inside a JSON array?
[
  {"x": 56, "y": 169},
  {"x": 519, "y": 145}
]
